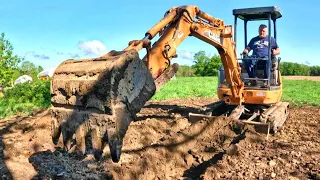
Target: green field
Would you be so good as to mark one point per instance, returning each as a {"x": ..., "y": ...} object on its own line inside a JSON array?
[
  {"x": 301, "y": 92},
  {"x": 27, "y": 98},
  {"x": 297, "y": 92},
  {"x": 185, "y": 87}
]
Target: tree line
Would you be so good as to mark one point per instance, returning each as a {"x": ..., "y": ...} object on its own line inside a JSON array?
[
  {"x": 203, "y": 66},
  {"x": 12, "y": 66},
  {"x": 208, "y": 66},
  {"x": 296, "y": 69}
]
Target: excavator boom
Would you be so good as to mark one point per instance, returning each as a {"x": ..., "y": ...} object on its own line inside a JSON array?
[
  {"x": 177, "y": 25},
  {"x": 94, "y": 100}
]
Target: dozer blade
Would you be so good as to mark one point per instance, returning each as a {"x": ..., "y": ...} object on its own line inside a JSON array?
[
  {"x": 94, "y": 101},
  {"x": 271, "y": 118}
]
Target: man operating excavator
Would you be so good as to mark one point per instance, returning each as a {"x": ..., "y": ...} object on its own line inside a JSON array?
[{"x": 259, "y": 45}]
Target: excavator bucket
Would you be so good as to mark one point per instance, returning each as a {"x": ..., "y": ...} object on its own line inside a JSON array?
[{"x": 94, "y": 101}]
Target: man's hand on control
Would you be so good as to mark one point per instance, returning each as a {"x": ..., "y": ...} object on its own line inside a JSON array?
[{"x": 245, "y": 52}]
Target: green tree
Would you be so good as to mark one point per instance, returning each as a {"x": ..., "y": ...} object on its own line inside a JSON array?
[
  {"x": 8, "y": 62},
  {"x": 185, "y": 71},
  {"x": 200, "y": 62},
  {"x": 16, "y": 73},
  {"x": 40, "y": 68},
  {"x": 27, "y": 67},
  {"x": 315, "y": 71},
  {"x": 295, "y": 69},
  {"x": 213, "y": 65},
  {"x": 287, "y": 68},
  {"x": 206, "y": 66},
  {"x": 30, "y": 69}
]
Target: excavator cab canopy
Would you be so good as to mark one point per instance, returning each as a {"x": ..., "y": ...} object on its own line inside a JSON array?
[
  {"x": 268, "y": 13},
  {"x": 258, "y": 13}
]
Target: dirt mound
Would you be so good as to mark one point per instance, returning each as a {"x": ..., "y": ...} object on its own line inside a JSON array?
[{"x": 164, "y": 144}]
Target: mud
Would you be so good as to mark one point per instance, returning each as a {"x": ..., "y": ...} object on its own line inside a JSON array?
[
  {"x": 111, "y": 89},
  {"x": 163, "y": 144}
]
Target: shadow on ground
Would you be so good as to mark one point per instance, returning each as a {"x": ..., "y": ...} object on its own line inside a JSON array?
[
  {"x": 63, "y": 165},
  {"x": 8, "y": 126}
]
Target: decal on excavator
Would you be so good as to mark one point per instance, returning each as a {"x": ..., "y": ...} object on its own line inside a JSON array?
[
  {"x": 212, "y": 36},
  {"x": 180, "y": 34}
]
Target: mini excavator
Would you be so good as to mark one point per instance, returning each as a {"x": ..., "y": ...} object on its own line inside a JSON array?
[{"x": 95, "y": 99}]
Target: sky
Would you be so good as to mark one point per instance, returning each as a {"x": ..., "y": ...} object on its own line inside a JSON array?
[{"x": 49, "y": 32}]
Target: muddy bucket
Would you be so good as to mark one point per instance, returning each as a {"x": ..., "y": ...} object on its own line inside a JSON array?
[{"x": 94, "y": 101}]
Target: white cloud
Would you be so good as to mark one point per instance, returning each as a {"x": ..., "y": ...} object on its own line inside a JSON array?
[
  {"x": 185, "y": 55},
  {"x": 94, "y": 47},
  {"x": 36, "y": 55},
  {"x": 307, "y": 62}
]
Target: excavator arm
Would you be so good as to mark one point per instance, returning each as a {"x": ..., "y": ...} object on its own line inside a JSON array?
[
  {"x": 181, "y": 22},
  {"x": 96, "y": 99}
]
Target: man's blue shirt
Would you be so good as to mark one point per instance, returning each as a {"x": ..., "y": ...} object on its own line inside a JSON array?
[{"x": 260, "y": 46}]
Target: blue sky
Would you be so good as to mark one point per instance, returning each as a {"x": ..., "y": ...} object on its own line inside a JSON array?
[{"x": 49, "y": 32}]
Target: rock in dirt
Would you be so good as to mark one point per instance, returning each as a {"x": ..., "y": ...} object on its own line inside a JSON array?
[{"x": 272, "y": 163}]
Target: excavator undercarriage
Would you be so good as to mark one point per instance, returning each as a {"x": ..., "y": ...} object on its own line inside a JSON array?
[{"x": 95, "y": 99}]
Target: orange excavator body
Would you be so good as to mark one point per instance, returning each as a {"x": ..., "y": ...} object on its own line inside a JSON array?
[{"x": 100, "y": 96}]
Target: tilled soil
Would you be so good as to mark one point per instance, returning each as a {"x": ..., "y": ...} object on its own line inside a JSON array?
[{"x": 165, "y": 144}]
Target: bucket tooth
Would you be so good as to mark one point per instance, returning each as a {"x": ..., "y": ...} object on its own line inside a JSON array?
[
  {"x": 97, "y": 142},
  {"x": 115, "y": 144},
  {"x": 96, "y": 138},
  {"x": 55, "y": 130},
  {"x": 67, "y": 137},
  {"x": 80, "y": 139},
  {"x": 86, "y": 125}
]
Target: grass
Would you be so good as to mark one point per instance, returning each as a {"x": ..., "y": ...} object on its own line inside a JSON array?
[
  {"x": 301, "y": 92},
  {"x": 26, "y": 99},
  {"x": 297, "y": 92},
  {"x": 186, "y": 87},
  {"x": 12, "y": 108}
]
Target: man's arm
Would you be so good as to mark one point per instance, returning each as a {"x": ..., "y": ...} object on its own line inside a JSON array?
[
  {"x": 275, "y": 48},
  {"x": 248, "y": 48},
  {"x": 246, "y": 51},
  {"x": 276, "y": 51}
]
